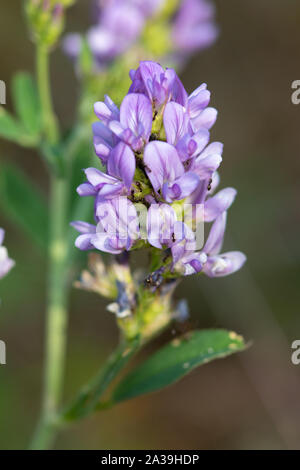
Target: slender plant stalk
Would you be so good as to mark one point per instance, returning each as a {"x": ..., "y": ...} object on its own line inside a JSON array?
[{"x": 58, "y": 288}]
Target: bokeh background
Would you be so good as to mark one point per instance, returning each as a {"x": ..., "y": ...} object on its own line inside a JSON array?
[{"x": 248, "y": 401}]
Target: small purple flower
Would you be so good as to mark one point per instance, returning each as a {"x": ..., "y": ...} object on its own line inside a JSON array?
[
  {"x": 119, "y": 24},
  {"x": 167, "y": 173},
  {"x": 107, "y": 111},
  {"x": 117, "y": 227},
  {"x": 208, "y": 161},
  {"x": 6, "y": 263},
  {"x": 194, "y": 26},
  {"x": 186, "y": 260},
  {"x": 219, "y": 265},
  {"x": 87, "y": 231},
  {"x": 104, "y": 140},
  {"x": 162, "y": 226},
  {"x": 159, "y": 85},
  {"x": 209, "y": 260},
  {"x": 135, "y": 122},
  {"x": 179, "y": 132},
  {"x": 117, "y": 180},
  {"x": 200, "y": 114}
]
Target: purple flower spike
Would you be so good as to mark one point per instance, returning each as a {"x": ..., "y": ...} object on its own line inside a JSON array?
[
  {"x": 156, "y": 151},
  {"x": 6, "y": 263}
]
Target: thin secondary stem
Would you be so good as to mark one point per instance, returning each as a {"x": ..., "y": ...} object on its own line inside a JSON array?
[{"x": 88, "y": 399}]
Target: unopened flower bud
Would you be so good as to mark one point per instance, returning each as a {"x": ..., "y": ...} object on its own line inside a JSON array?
[
  {"x": 98, "y": 278},
  {"x": 46, "y": 19}
]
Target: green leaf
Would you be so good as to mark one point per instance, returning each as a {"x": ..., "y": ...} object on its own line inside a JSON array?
[
  {"x": 11, "y": 129},
  {"x": 26, "y": 102},
  {"x": 177, "y": 359},
  {"x": 23, "y": 203}
]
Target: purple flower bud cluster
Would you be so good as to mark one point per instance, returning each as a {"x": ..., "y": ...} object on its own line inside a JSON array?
[
  {"x": 120, "y": 23},
  {"x": 157, "y": 154},
  {"x": 6, "y": 263}
]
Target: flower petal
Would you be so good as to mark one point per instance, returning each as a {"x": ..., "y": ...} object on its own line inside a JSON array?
[
  {"x": 175, "y": 122},
  {"x": 2, "y": 235},
  {"x": 160, "y": 225},
  {"x": 97, "y": 178},
  {"x": 104, "y": 140},
  {"x": 201, "y": 138},
  {"x": 198, "y": 100},
  {"x": 83, "y": 227},
  {"x": 224, "y": 264},
  {"x": 106, "y": 111},
  {"x": 215, "y": 238},
  {"x": 136, "y": 115},
  {"x": 182, "y": 187},
  {"x": 162, "y": 163},
  {"x": 219, "y": 203},
  {"x": 205, "y": 119},
  {"x": 86, "y": 189},
  {"x": 205, "y": 167},
  {"x": 121, "y": 164},
  {"x": 83, "y": 242},
  {"x": 215, "y": 148}
]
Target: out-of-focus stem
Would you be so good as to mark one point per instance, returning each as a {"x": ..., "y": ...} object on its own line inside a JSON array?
[
  {"x": 50, "y": 126},
  {"x": 58, "y": 288}
]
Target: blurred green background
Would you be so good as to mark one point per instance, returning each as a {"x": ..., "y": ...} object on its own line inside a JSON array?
[{"x": 249, "y": 401}]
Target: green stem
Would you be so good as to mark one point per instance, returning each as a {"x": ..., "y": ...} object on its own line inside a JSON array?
[
  {"x": 58, "y": 288},
  {"x": 50, "y": 125},
  {"x": 58, "y": 291}
]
